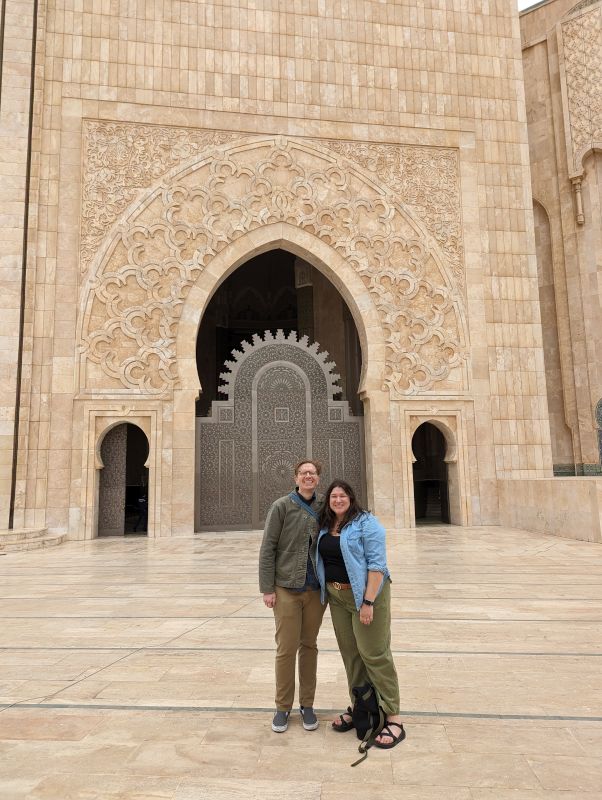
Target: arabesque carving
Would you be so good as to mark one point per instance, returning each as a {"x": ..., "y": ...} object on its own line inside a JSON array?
[
  {"x": 425, "y": 180},
  {"x": 582, "y": 50},
  {"x": 247, "y": 349},
  {"x": 136, "y": 296},
  {"x": 580, "y": 6},
  {"x": 123, "y": 158}
]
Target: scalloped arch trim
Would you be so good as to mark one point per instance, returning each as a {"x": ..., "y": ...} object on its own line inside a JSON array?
[{"x": 302, "y": 343}]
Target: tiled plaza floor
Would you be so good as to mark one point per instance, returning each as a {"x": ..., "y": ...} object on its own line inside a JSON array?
[{"x": 136, "y": 669}]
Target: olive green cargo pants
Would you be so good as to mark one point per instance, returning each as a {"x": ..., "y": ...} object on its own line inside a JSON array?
[{"x": 366, "y": 649}]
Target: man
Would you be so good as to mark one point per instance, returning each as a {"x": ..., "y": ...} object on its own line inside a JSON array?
[{"x": 287, "y": 579}]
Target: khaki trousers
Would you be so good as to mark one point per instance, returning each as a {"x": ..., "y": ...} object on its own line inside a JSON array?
[
  {"x": 366, "y": 649},
  {"x": 298, "y": 616}
]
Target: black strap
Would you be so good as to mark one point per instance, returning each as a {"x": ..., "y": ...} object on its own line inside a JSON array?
[{"x": 370, "y": 736}]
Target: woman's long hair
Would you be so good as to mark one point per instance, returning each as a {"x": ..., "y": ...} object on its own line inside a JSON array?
[{"x": 327, "y": 515}]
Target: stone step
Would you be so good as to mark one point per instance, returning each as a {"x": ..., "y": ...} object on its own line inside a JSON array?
[
  {"x": 29, "y": 539},
  {"x": 19, "y": 534}
]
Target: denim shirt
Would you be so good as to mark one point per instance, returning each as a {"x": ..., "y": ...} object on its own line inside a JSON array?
[{"x": 363, "y": 549}]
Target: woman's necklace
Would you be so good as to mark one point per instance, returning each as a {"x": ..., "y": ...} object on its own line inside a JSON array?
[{"x": 336, "y": 529}]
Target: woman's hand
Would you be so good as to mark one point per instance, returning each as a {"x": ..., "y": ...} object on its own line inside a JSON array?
[
  {"x": 270, "y": 599},
  {"x": 371, "y": 590}
]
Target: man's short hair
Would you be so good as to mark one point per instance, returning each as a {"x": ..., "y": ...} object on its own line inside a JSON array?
[{"x": 316, "y": 464}]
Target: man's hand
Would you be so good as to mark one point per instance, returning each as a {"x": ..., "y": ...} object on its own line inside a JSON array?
[{"x": 270, "y": 599}]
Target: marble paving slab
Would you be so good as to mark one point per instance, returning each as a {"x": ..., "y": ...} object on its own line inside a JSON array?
[{"x": 135, "y": 669}]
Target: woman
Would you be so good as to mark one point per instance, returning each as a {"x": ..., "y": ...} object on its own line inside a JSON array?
[{"x": 351, "y": 563}]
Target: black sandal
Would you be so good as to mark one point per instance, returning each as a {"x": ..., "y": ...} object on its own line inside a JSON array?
[
  {"x": 386, "y": 731},
  {"x": 345, "y": 725}
]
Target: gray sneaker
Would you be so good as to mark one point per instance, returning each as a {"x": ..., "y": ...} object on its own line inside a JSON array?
[
  {"x": 280, "y": 721},
  {"x": 310, "y": 721}
]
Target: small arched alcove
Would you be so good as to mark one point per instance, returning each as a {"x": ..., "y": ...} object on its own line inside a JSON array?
[
  {"x": 430, "y": 474},
  {"x": 123, "y": 485}
]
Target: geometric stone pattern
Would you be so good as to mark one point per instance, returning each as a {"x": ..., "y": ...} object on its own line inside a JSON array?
[
  {"x": 121, "y": 159},
  {"x": 280, "y": 429},
  {"x": 141, "y": 279},
  {"x": 580, "y": 6},
  {"x": 581, "y": 43},
  {"x": 426, "y": 181},
  {"x": 280, "y": 393}
]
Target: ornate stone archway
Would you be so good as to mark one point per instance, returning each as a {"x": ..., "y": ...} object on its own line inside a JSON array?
[
  {"x": 139, "y": 283},
  {"x": 335, "y": 206},
  {"x": 115, "y": 463}
]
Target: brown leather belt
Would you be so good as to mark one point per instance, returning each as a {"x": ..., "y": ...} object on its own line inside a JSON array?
[{"x": 337, "y": 585}]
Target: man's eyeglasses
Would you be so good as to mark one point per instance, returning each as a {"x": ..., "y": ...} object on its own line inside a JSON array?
[{"x": 310, "y": 474}]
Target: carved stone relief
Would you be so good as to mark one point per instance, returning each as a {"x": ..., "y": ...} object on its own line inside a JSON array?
[
  {"x": 121, "y": 159},
  {"x": 279, "y": 408},
  {"x": 135, "y": 296},
  {"x": 425, "y": 180},
  {"x": 581, "y": 44},
  {"x": 581, "y": 6}
]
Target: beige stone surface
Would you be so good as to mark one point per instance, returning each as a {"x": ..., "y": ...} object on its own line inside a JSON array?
[
  {"x": 15, "y": 178},
  {"x": 405, "y": 102},
  {"x": 127, "y": 683},
  {"x": 407, "y": 120},
  {"x": 562, "y": 47},
  {"x": 569, "y": 507}
]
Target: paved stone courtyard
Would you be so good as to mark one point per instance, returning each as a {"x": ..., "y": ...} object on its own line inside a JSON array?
[{"x": 138, "y": 669}]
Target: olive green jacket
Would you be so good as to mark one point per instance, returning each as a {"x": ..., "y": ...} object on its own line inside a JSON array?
[{"x": 289, "y": 531}]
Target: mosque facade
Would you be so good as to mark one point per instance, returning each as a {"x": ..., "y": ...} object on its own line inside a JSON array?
[{"x": 240, "y": 233}]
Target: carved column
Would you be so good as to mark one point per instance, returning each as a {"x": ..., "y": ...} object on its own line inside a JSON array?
[
  {"x": 579, "y": 215},
  {"x": 305, "y": 299}
]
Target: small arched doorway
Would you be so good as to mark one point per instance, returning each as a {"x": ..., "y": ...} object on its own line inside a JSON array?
[
  {"x": 431, "y": 489},
  {"x": 123, "y": 486}
]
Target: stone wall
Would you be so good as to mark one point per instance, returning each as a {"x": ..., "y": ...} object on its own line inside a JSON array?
[
  {"x": 567, "y": 507},
  {"x": 19, "y": 174},
  {"x": 384, "y": 142},
  {"x": 562, "y": 54}
]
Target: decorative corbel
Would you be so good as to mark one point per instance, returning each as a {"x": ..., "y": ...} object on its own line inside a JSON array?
[{"x": 578, "y": 200}]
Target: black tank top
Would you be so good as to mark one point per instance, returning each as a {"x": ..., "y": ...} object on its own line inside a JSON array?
[{"x": 334, "y": 566}]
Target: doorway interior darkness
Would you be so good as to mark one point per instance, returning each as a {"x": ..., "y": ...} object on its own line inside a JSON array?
[
  {"x": 281, "y": 406},
  {"x": 431, "y": 492},
  {"x": 274, "y": 291},
  {"x": 123, "y": 489}
]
